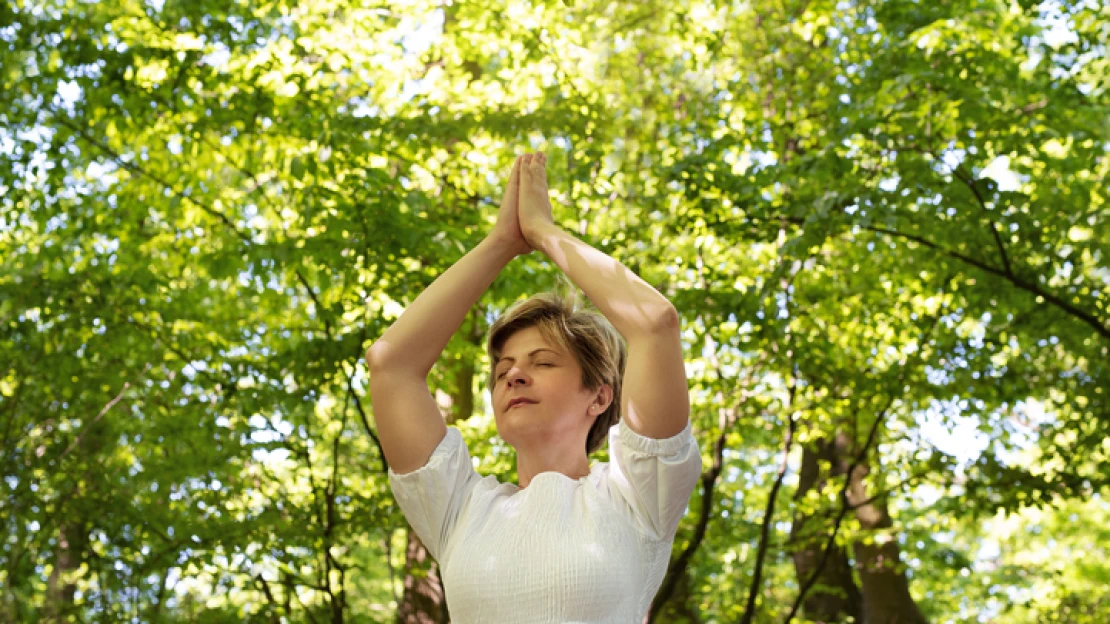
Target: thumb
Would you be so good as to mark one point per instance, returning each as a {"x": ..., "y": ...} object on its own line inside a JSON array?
[{"x": 512, "y": 188}]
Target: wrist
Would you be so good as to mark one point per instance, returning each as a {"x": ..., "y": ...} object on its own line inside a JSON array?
[
  {"x": 541, "y": 236},
  {"x": 503, "y": 249}
]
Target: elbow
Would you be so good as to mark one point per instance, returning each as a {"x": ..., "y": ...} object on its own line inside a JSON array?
[
  {"x": 390, "y": 359},
  {"x": 657, "y": 321},
  {"x": 383, "y": 357},
  {"x": 376, "y": 355},
  {"x": 667, "y": 319}
]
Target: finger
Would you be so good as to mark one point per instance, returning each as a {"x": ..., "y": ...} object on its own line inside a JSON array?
[
  {"x": 514, "y": 177},
  {"x": 526, "y": 167},
  {"x": 513, "y": 184},
  {"x": 538, "y": 169}
]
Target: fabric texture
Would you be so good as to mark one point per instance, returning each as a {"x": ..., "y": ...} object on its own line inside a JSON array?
[{"x": 588, "y": 550}]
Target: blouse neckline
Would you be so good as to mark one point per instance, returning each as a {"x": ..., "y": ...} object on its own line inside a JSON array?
[{"x": 554, "y": 475}]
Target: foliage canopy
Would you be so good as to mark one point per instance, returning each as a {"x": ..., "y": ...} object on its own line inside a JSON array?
[{"x": 884, "y": 225}]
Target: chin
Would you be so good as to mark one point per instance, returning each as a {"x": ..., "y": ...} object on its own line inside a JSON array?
[{"x": 513, "y": 429}]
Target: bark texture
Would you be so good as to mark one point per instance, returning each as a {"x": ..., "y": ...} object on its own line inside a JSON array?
[
  {"x": 835, "y": 596},
  {"x": 886, "y": 588},
  {"x": 423, "y": 601}
]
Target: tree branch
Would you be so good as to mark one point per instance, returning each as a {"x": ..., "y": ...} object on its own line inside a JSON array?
[
  {"x": 708, "y": 486},
  {"x": 1099, "y": 326},
  {"x": 966, "y": 178},
  {"x": 768, "y": 514},
  {"x": 1102, "y": 328},
  {"x": 117, "y": 158},
  {"x": 104, "y": 411},
  {"x": 133, "y": 168},
  {"x": 269, "y": 594}
]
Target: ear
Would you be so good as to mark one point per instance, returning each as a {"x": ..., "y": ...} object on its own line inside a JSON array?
[{"x": 602, "y": 400}]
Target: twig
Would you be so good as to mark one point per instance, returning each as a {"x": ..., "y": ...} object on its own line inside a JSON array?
[{"x": 104, "y": 411}]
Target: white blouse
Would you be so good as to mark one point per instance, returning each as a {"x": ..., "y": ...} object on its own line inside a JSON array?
[{"x": 593, "y": 549}]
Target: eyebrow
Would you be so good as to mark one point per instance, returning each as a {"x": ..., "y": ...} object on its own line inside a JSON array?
[{"x": 534, "y": 351}]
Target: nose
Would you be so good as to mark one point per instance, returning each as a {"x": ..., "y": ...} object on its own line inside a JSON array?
[{"x": 515, "y": 376}]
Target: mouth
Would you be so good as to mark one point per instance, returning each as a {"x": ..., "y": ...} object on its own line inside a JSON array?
[{"x": 519, "y": 402}]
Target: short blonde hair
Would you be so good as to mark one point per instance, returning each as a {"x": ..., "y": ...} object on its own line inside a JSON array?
[{"x": 587, "y": 334}]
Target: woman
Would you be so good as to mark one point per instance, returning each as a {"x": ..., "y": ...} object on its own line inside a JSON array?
[{"x": 569, "y": 543}]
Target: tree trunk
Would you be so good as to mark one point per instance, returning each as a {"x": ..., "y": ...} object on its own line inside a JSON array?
[
  {"x": 886, "y": 589},
  {"x": 68, "y": 553},
  {"x": 835, "y": 596},
  {"x": 423, "y": 601},
  {"x": 681, "y": 607}
]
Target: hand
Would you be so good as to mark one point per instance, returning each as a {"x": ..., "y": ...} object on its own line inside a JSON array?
[
  {"x": 507, "y": 230},
  {"x": 535, "y": 206}
]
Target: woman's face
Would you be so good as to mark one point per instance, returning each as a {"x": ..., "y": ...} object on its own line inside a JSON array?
[{"x": 550, "y": 380}]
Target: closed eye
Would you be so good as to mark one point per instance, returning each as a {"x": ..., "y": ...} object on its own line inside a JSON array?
[{"x": 548, "y": 364}]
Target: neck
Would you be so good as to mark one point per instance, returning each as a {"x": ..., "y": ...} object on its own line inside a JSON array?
[{"x": 531, "y": 462}]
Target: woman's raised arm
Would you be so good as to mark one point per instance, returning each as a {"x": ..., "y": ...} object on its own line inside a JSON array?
[
  {"x": 407, "y": 417},
  {"x": 655, "y": 399}
]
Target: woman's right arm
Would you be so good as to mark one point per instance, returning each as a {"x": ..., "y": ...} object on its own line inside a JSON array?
[{"x": 407, "y": 417}]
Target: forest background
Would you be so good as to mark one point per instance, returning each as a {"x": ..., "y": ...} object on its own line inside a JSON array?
[{"x": 883, "y": 223}]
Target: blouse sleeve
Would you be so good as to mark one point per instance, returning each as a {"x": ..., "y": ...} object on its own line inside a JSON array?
[
  {"x": 432, "y": 496},
  {"x": 654, "y": 477}
]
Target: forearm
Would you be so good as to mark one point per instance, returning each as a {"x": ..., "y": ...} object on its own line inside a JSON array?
[
  {"x": 418, "y": 337},
  {"x": 630, "y": 303}
]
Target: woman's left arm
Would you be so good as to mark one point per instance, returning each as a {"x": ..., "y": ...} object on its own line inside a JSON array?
[{"x": 655, "y": 399}]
